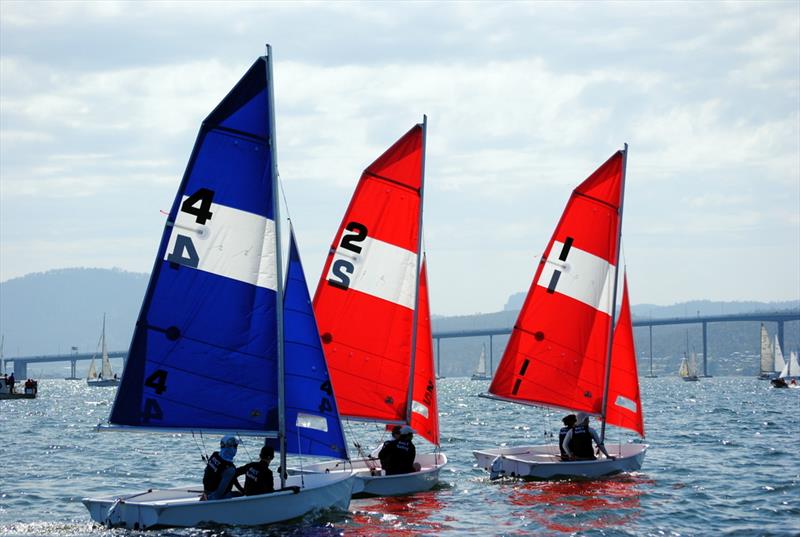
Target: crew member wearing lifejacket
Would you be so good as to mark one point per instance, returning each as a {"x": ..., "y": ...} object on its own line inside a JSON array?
[
  {"x": 569, "y": 422},
  {"x": 220, "y": 474},
  {"x": 399, "y": 455},
  {"x": 257, "y": 475},
  {"x": 577, "y": 443}
]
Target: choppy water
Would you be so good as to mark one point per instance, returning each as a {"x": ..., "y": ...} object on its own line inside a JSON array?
[{"x": 724, "y": 460}]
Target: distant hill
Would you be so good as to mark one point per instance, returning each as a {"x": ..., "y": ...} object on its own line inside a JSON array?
[
  {"x": 684, "y": 309},
  {"x": 49, "y": 312}
]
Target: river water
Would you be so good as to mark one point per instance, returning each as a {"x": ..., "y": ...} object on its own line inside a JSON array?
[{"x": 724, "y": 460}]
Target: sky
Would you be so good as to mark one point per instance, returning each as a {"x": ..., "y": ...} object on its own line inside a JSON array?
[{"x": 100, "y": 104}]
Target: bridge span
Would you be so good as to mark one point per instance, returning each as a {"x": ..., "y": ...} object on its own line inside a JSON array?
[{"x": 781, "y": 317}]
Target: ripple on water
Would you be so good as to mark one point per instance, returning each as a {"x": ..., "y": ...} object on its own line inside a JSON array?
[{"x": 721, "y": 459}]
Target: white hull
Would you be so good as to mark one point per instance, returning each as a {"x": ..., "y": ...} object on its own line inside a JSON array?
[
  {"x": 544, "y": 462},
  {"x": 102, "y": 383},
  {"x": 181, "y": 507},
  {"x": 384, "y": 485}
]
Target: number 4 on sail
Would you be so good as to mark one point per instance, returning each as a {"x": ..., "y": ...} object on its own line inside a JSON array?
[{"x": 564, "y": 351}]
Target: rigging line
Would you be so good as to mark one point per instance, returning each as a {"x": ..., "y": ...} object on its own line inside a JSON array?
[
  {"x": 203, "y": 440},
  {"x": 285, "y": 203},
  {"x": 300, "y": 452},
  {"x": 247, "y": 452},
  {"x": 201, "y": 450}
]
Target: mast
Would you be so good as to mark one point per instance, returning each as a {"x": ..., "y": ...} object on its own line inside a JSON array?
[
  {"x": 410, "y": 400},
  {"x": 278, "y": 270},
  {"x": 604, "y": 407}
]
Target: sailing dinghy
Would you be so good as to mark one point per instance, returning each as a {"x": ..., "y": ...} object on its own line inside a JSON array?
[
  {"x": 564, "y": 351},
  {"x": 789, "y": 374},
  {"x": 106, "y": 376},
  {"x": 688, "y": 368},
  {"x": 767, "y": 363},
  {"x": 218, "y": 346},
  {"x": 480, "y": 372},
  {"x": 374, "y": 319}
]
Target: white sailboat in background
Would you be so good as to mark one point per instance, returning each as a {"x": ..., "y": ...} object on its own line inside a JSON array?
[
  {"x": 777, "y": 356},
  {"x": 480, "y": 372},
  {"x": 789, "y": 374},
  {"x": 767, "y": 364},
  {"x": 106, "y": 376},
  {"x": 688, "y": 368}
]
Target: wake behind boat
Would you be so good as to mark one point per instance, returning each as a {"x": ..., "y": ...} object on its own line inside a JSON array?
[
  {"x": 374, "y": 317},
  {"x": 565, "y": 351},
  {"x": 210, "y": 309}
]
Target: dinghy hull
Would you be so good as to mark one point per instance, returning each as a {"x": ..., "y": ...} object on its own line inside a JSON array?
[
  {"x": 182, "y": 507},
  {"x": 367, "y": 484},
  {"x": 543, "y": 462}
]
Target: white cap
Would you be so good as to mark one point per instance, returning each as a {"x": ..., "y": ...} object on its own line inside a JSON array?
[
  {"x": 406, "y": 429},
  {"x": 582, "y": 416}
]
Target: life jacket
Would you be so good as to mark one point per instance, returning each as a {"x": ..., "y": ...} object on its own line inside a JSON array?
[
  {"x": 214, "y": 469},
  {"x": 386, "y": 454},
  {"x": 581, "y": 443},
  {"x": 562, "y": 434},
  {"x": 402, "y": 461},
  {"x": 258, "y": 479}
]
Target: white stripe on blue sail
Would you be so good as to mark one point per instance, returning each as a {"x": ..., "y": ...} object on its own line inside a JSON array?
[
  {"x": 312, "y": 420},
  {"x": 203, "y": 354}
]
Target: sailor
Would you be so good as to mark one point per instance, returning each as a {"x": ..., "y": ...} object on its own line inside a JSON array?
[
  {"x": 257, "y": 475},
  {"x": 220, "y": 474},
  {"x": 10, "y": 381},
  {"x": 387, "y": 450},
  {"x": 569, "y": 422},
  {"x": 400, "y": 459},
  {"x": 577, "y": 443}
]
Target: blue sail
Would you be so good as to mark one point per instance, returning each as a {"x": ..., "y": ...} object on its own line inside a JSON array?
[
  {"x": 312, "y": 420},
  {"x": 204, "y": 351}
]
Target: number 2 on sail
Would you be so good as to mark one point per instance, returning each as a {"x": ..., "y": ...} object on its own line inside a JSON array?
[{"x": 342, "y": 269}]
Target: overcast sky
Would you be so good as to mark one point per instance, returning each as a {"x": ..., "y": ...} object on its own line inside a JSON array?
[{"x": 100, "y": 104}]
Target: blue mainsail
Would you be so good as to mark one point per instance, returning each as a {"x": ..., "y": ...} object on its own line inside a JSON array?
[
  {"x": 203, "y": 354},
  {"x": 312, "y": 420}
]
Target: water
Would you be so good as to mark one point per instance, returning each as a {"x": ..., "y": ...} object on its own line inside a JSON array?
[{"x": 723, "y": 461}]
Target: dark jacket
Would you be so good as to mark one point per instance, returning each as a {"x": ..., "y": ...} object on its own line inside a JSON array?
[
  {"x": 216, "y": 468},
  {"x": 258, "y": 478},
  {"x": 581, "y": 443}
]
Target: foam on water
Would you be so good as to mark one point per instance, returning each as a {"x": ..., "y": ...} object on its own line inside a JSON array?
[{"x": 723, "y": 460}]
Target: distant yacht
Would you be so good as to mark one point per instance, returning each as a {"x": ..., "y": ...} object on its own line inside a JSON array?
[
  {"x": 106, "y": 376},
  {"x": 480, "y": 373}
]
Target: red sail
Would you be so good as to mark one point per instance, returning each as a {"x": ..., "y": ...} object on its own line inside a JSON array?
[
  {"x": 365, "y": 298},
  {"x": 424, "y": 411},
  {"x": 624, "y": 403},
  {"x": 557, "y": 352}
]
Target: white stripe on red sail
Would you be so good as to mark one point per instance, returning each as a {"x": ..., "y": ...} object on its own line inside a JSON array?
[
  {"x": 557, "y": 352},
  {"x": 424, "y": 410},
  {"x": 624, "y": 401},
  {"x": 364, "y": 300}
]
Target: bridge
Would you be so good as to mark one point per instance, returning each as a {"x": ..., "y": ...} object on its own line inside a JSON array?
[
  {"x": 21, "y": 362},
  {"x": 777, "y": 317}
]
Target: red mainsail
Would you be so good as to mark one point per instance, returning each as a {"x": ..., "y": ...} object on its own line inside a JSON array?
[
  {"x": 365, "y": 299},
  {"x": 424, "y": 410},
  {"x": 557, "y": 352},
  {"x": 624, "y": 402}
]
